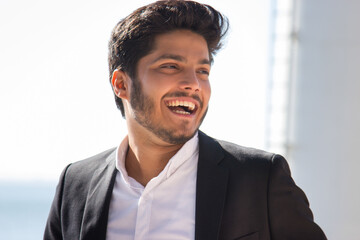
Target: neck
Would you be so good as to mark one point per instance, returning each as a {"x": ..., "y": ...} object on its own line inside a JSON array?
[{"x": 146, "y": 158}]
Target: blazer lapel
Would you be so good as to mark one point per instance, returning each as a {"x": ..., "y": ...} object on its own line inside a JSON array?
[
  {"x": 96, "y": 210},
  {"x": 211, "y": 187}
]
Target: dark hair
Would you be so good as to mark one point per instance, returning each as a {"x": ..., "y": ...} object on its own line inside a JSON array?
[{"x": 133, "y": 37}]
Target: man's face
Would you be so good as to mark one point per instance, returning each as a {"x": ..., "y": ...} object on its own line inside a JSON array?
[{"x": 170, "y": 94}]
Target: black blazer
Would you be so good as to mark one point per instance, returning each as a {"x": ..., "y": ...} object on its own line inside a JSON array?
[{"x": 241, "y": 193}]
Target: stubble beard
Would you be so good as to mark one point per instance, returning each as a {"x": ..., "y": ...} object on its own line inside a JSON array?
[{"x": 144, "y": 106}]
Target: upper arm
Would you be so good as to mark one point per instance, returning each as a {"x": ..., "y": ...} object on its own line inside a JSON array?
[
  {"x": 53, "y": 228},
  {"x": 289, "y": 214}
]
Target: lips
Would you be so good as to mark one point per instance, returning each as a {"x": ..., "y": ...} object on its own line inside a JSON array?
[{"x": 181, "y": 106}]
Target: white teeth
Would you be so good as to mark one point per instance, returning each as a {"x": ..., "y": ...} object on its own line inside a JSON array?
[
  {"x": 176, "y": 103},
  {"x": 181, "y": 112},
  {"x": 191, "y": 105}
]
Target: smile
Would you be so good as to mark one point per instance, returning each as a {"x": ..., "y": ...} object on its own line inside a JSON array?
[{"x": 181, "y": 107}]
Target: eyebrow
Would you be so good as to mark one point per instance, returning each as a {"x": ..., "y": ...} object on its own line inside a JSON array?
[{"x": 179, "y": 58}]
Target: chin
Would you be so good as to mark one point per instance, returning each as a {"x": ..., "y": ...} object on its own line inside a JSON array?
[{"x": 173, "y": 138}]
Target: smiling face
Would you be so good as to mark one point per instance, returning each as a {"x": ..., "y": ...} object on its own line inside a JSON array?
[{"x": 169, "y": 97}]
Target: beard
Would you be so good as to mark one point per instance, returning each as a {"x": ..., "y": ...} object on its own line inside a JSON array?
[{"x": 144, "y": 106}]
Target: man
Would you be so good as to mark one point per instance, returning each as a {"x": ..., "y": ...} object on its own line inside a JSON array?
[{"x": 167, "y": 180}]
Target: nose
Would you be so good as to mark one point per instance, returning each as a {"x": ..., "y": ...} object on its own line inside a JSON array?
[{"x": 190, "y": 81}]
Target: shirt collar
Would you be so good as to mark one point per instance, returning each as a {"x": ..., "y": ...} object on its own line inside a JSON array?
[{"x": 186, "y": 152}]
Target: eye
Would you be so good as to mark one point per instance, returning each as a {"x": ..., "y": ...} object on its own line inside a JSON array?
[
  {"x": 204, "y": 71},
  {"x": 169, "y": 66}
]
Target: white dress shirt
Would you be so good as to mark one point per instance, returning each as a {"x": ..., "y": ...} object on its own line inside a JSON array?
[{"x": 165, "y": 208}]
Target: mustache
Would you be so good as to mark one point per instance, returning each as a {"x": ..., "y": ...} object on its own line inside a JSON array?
[{"x": 184, "y": 94}]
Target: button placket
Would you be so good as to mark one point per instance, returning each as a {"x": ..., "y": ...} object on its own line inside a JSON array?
[{"x": 143, "y": 216}]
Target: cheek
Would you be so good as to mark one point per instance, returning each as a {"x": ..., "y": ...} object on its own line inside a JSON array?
[
  {"x": 206, "y": 88},
  {"x": 156, "y": 82}
]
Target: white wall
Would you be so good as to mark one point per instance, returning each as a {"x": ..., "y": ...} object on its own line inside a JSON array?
[{"x": 326, "y": 113}]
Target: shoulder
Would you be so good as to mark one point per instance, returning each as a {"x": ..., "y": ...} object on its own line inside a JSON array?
[
  {"x": 85, "y": 168},
  {"x": 95, "y": 161},
  {"x": 253, "y": 155},
  {"x": 239, "y": 159},
  {"x": 243, "y": 153},
  {"x": 236, "y": 153},
  {"x": 77, "y": 177}
]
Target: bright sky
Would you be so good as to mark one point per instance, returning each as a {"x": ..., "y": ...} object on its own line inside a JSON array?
[{"x": 57, "y": 105}]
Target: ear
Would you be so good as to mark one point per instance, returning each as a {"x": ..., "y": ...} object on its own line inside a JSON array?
[{"x": 119, "y": 82}]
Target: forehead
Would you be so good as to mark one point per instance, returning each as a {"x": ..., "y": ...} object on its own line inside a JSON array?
[{"x": 181, "y": 42}]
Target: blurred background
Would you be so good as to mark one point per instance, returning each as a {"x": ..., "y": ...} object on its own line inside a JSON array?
[{"x": 287, "y": 81}]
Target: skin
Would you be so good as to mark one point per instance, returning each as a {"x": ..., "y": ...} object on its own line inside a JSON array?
[{"x": 177, "y": 68}]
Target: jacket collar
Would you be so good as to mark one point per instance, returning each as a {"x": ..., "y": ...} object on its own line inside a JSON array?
[
  {"x": 94, "y": 223},
  {"x": 211, "y": 187}
]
